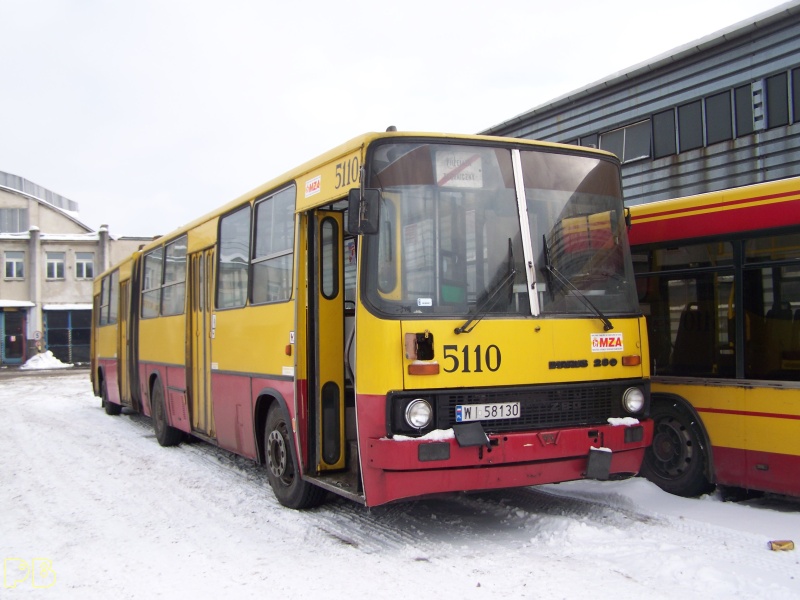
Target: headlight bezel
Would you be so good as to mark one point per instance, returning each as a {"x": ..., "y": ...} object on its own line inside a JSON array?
[
  {"x": 634, "y": 400},
  {"x": 416, "y": 408}
]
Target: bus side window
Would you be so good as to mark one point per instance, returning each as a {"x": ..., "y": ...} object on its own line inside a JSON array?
[{"x": 694, "y": 342}]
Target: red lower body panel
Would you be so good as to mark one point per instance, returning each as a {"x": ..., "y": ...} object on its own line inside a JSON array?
[
  {"x": 393, "y": 469},
  {"x": 750, "y": 469},
  {"x": 109, "y": 366}
]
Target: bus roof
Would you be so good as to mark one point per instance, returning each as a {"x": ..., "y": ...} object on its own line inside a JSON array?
[
  {"x": 323, "y": 167},
  {"x": 761, "y": 206},
  {"x": 356, "y": 144}
]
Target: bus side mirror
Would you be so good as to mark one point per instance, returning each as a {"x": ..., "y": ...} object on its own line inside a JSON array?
[{"x": 363, "y": 213}]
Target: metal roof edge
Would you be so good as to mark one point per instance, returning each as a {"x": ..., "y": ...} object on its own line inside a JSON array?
[{"x": 702, "y": 44}]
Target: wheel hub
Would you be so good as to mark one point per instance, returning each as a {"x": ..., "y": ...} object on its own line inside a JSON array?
[
  {"x": 276, "y": 454},
  {"x": 672, "y": 447}
]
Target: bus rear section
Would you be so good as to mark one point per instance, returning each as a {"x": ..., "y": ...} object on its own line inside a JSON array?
[{"x": 719, "y": 279}]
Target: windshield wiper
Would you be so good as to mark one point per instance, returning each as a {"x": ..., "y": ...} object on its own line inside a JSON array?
[
  {"x": 491, "y": 299},
  {"x": 552, "y": 270}
]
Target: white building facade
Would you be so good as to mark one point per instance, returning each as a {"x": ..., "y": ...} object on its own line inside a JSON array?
[{"x": 49, "y": 259}]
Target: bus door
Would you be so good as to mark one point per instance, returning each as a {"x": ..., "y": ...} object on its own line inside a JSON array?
[
  {"x": 123, "y": 378},
  {"x": 201, "y": 332},
  {"x": 326, "y": 340},
  {"x": 13, "y": 332}
]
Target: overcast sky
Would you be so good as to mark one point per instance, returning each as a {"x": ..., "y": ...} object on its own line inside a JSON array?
[{"x": 149, "y": 113}]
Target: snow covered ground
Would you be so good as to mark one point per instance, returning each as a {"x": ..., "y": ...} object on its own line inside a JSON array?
[{"x": 101, "y": 511}]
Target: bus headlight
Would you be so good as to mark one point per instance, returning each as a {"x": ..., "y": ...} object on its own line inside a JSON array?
[
  {"x": 633, "y": 400},
  {"x": 419, "y": 413}
]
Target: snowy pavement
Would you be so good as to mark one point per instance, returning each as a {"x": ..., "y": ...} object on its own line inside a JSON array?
[{"x": 92, "y": 507}]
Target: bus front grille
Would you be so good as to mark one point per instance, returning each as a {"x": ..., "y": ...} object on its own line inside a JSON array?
[{"x": 542, "y": 408}]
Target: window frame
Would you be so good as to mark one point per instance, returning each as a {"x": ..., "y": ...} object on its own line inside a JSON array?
[
  {"x": 664, "y": 135},
  {"x": 718, "y": 129},
  {"x": 240, "y": 291},
  {"x": 81, "y": 264},
  {"x": 743, "y": 110},
  {"x": 628, "y": 140},
  {"x": 14, "y": 220},
  {"x": 264, "y": 252},
  {"x": 690, "y": 121},
  {"x": 173, "y": 278},
  {"x": 57, "y": 261},
  {"x": 777, "y": 101},
  {"x": 109, "y": 299},
  {"x": 17, "y": 265},
  {"x": 151, "y": 290}
]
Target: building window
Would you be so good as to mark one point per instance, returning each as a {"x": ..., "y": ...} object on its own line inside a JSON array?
[
  {"x": 628, "y": 143},
  {"x": 637, "y": 141},
  {"x": 84, "y": 265},
  {"x": 777, "y": 101},
  {"x": 15, "y": 265},
  {"x": 590, "y": 141},
  {"x": 55, "y": 265},
  {"x": 719, "y": 118},
  {"x": 13, "y": 220},
  {"x": 743, "y": 100},
  {"x": 664, "y": 143},
  {"x": 614, "y": 142},
  {"x": 690, "y": 126},
  {"x": 68, "y": 334},
  {"x": 796, "y": 95}
]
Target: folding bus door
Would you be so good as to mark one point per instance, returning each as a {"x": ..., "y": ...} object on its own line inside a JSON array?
[
  {"x": 123, "y": 377},
  {"x": 201, "y": 332},
  {"x": 326, "y": 340}
]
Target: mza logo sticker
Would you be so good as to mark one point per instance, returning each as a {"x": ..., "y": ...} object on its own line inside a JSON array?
[
  {"x": 314, "y": 186},
  {"x": 607, "y": 342}
]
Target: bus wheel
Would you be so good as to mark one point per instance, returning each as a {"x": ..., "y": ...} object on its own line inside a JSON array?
[
  {"x": 282, "y": 472},
  {"x": 165, "y": 434},
  {"x": 676, "y": 461},
  {"x": 110, "y": 408}
]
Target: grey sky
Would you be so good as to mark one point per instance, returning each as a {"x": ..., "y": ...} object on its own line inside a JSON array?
[{"x": 149, "y": 113}]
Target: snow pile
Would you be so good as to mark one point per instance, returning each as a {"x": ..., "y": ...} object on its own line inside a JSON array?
[
  {"x": 617, "y": 421},
  {"x": 436, "y": 435},
  {"x": 45, "y": 360}
]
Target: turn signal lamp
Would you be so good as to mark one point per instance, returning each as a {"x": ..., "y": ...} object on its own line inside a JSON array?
[{"x": 633, "y": 360}]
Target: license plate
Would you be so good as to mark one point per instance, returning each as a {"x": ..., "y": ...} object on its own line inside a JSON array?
[{"x": 486, "y": 412}]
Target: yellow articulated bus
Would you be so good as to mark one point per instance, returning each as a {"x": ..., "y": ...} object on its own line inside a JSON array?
[
  {"x": 719, "y": 280},
  {"x": 407, "y": 314}
]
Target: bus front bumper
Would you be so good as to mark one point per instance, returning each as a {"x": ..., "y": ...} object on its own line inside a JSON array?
[{"x": 408, "y": 467}]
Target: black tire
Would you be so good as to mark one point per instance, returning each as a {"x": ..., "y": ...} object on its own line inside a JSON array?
[
  {"x": 110, "y": 407},
  {"x": 676, "y": 462},
  {"x": 282, "y": 465},
  {"x": 165, "y": 433}
]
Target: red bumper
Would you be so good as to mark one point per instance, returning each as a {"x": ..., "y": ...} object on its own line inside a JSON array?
[{"x": 393, "y": 469}]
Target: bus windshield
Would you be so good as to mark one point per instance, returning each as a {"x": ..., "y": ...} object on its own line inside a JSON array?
[{"x": 450, "y": 240}]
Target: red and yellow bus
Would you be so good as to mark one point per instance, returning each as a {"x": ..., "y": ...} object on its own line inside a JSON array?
[
  {"x": 407, "y": 314},
  {"x": 719, "y": 281}
]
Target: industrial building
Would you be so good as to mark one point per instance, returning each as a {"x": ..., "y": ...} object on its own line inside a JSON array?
[
  {"x": 720, "y": 112},
  {"x": 49, "y": 261}
]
